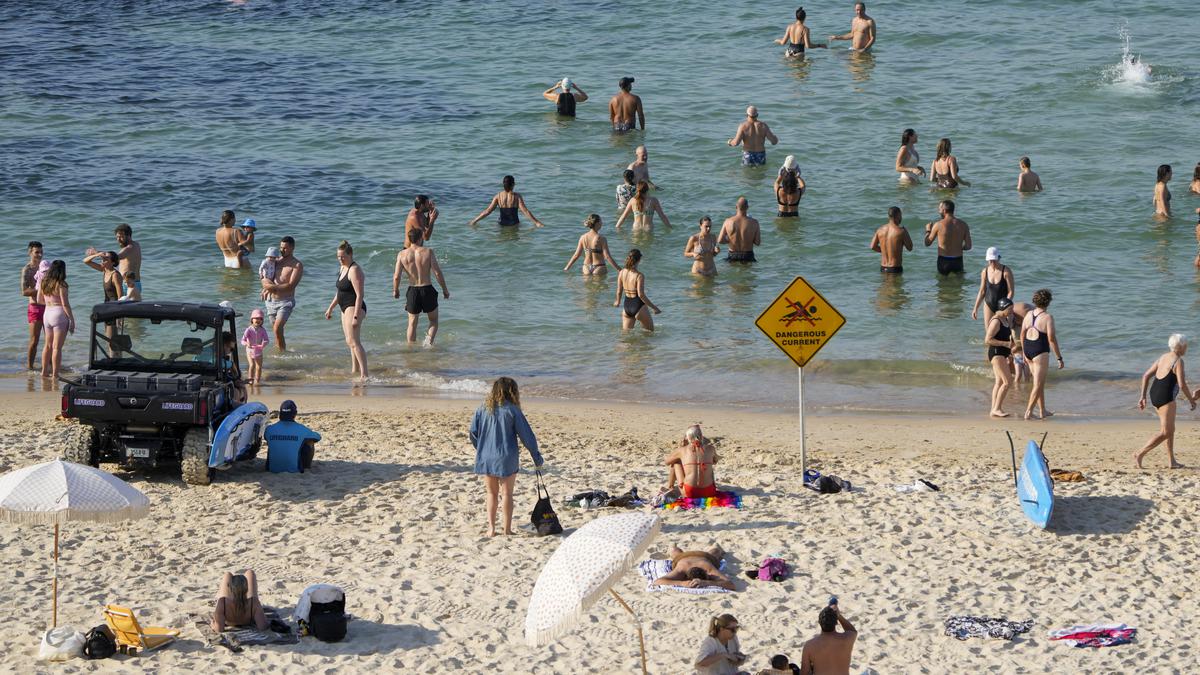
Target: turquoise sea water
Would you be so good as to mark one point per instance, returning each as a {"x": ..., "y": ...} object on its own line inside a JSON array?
[{"x": 322, "y": 120}]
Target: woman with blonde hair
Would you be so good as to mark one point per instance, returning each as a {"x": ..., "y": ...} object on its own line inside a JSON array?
[
  {"x": 350, "y": 291},
  {"x": 1165, "y": 381},
  {"x": 58, "y": 320},
  {"x": 944, "y": 169},
  {"x": 594, "y": 249},
  {"x": 720, "y": 653},
  {"x": 495, "y": 429},
  {"x": 238, "y": 603},
  {"x": 643, "y": 207}
]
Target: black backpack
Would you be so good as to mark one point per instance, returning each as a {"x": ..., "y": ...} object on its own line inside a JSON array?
[
  {"x": 99, "y": 643},
  {"x": 327, "y": 620},
  {"x": 544, "y": 519},
  {"x": 566, "y": 104}
]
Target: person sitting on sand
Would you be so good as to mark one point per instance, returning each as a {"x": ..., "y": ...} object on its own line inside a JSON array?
[
  {"x": 696, "y": 569},
  {"x": 1165, "y": 381},
  {"x": 238, "y": 603},
  {"x": 691, "y": 465},
  {"x": 1027, "y": 180},
  {"x": 780, "y": 665},
  {"x": 291, "y": 446},
  {"x": 829, "y": 653},
  {"x": 720, "y": 653}
]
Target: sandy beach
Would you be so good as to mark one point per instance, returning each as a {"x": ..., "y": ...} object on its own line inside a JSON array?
[{"x": 392, "y": 512}]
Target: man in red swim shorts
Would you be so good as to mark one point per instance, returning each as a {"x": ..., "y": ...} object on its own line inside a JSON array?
[{"x": 691, "y": 465}]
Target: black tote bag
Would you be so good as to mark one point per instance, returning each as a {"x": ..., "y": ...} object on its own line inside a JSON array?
[{"x": 544, "y": 519}]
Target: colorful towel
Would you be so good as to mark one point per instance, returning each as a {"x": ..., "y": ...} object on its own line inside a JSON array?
[
  {"x": 963, "y": 627},
  {"x": 655, "y": 568},
  {"x": 1096, "y": 635},
  {"x": 723, "y": 500}
]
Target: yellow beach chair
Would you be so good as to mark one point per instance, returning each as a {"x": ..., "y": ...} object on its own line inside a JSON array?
[{"x": 131, "y": 637}]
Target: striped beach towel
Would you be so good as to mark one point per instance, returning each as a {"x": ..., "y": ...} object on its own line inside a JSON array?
[{"x": 655, "y": 568}]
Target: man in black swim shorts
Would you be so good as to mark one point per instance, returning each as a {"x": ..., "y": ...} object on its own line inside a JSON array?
[
  {"x": 742, "y": 233},
  {"x": 953, "y": 237},
  {"x": 420, "y": 264}
]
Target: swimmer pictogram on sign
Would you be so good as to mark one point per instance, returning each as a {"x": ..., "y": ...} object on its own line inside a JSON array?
[{"x": 800, "y": 329}]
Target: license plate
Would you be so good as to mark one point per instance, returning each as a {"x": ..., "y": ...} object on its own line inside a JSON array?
[{"x": 140, "y": 452}]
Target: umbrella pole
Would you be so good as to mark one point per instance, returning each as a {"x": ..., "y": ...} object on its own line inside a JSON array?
[
  {"x": 54, "y": 621},
  {"x": 638, "y": 623}
]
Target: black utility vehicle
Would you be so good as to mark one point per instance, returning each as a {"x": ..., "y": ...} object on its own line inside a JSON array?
[{"x": 156, "y": 388}]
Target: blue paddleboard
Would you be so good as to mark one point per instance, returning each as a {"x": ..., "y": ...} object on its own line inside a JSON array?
[
  {"x": 1035, "y": 488},
  {"x": 240, "y": 430}
]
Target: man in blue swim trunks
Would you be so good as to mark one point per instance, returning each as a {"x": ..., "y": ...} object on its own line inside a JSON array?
[
  {"x": 290, "y": 445},
  {"x": 753, "y": 135}
]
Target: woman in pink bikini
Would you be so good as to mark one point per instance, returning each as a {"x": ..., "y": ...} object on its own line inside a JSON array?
[
  {"x": 58, "y": 320},
  {"x": 691, "y": 465}
]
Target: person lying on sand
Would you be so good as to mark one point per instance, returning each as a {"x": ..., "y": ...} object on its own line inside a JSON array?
[
  {"x": 696, "y": 569},
  {"x": 238, "y": 604},
  {"x": 691, "y": 465}
]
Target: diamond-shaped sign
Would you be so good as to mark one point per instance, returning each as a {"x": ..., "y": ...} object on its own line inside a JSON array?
[{"x": 800, "y": 321}]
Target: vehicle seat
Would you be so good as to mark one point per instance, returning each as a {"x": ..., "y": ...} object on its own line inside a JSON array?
[
  {"x": 122, "y": 343},
  {"x": 191, "y": 345}
]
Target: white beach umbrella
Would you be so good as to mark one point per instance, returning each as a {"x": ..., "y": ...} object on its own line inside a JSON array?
[
  {"x": 582, "y": 570},
  {"x": 59, "y": 492}
]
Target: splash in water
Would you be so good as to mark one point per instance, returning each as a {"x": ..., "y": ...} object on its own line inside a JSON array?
[{"x": 1131, "y": 70}]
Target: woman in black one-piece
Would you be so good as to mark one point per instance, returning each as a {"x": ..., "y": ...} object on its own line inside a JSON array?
[
  {"x": 1000, "y": 339},
  {"x": 1165, "y": 380},
  {"x": 350, "y": 298}
]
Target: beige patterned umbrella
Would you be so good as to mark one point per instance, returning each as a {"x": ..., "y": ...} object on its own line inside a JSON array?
[
  {"x": 59, "y": 492},
  {"x": 582, "y": 570}
]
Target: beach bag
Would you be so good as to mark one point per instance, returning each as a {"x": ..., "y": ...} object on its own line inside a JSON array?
[
  {"x": 99, "y": 643},
  {"x": 544, "y": 519},
  {"x": 770, "y": 569},
  {"x": 327, "y": 620},
  {"x": 61, "y": 644}
]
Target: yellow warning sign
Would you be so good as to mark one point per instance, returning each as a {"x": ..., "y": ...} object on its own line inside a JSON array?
[{"x": 800, "y": 321}]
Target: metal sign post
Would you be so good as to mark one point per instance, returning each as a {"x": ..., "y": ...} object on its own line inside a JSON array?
[{"x": 800, "y": 327}]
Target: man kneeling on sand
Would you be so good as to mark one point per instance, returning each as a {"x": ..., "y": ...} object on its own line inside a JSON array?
[
  {"x": 696, "y": 569},
  {"x": 691, "y": 465}
]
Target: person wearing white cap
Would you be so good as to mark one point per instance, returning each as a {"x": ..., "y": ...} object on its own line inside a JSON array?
[
  {"x": 563, "y": 97},
  {"x": 752, "y": 136},
  {"x": 995, "y": 282},
  {"x": 789, "y": 188}
]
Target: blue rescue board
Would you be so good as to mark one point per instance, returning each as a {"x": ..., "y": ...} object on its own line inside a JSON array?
[
  {"x": 1035, "y": 488},
  {"x": 238, "y": 433}
]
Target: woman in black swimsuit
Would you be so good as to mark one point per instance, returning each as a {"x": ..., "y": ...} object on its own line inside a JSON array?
[
  {"x": 631, "y": 288},
  {"x": 349, "y": 297},
  {"x": 796, "y": 38},
  {"x": 1165, "y": 381},
  {"x": 789, "y": 188},
  {"x": 995, "y": 282},
  {"x": 508, "y": 202},
  {"x": 944, "y": 170},
  {"x": 1037, "y": 337},
  {"x": 1000, "y": 339}
]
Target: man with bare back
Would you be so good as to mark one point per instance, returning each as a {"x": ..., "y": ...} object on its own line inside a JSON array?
[
  {"x": 625, "y": 109},
  {"x": 890, "y": 242},
  {"x": 421, "y": 266}
]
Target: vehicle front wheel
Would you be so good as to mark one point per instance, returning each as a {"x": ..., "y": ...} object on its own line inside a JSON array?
[
  {"x": 194, "y": 460},
  {"x": 82, "y": 445}
]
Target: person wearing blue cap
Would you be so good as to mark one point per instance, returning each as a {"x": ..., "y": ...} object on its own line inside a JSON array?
[
  {"x": 290, "y": 445},
  {"x": 248, "y": 228}
]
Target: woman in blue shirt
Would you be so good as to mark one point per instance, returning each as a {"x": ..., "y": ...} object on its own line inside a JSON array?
[{"x": 497, "y": 425}]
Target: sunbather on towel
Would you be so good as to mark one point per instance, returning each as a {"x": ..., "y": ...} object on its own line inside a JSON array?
[
  {"x": 237, "y": 603},
  {"x": 696, "y": 569},
  {"x": 691, "y": 465}
]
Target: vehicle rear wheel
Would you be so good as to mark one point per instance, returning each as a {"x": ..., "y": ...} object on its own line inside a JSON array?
[
  {"x": 82, "y": 445},
  {"x": 194, "y": 460}
]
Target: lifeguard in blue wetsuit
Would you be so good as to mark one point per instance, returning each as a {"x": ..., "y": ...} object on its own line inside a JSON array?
[{"x": 290, "y": 445}]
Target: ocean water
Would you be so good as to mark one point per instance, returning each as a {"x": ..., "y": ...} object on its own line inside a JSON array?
[{"x": 322, "y": 120}]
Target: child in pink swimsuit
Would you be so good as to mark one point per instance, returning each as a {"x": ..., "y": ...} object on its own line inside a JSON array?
[{"x": 255, "y": 338}]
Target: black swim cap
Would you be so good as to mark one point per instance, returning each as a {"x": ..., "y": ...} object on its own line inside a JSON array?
[{"x": 1003, "y": 304}]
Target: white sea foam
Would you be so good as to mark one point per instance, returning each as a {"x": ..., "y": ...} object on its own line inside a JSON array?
[{"x": 1131, "y": 74}]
